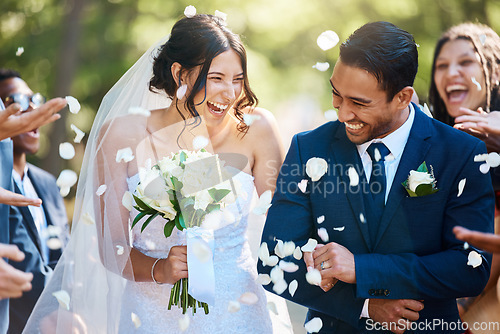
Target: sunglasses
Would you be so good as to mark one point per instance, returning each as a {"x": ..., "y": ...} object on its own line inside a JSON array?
[{"x": 24, "y": 100}]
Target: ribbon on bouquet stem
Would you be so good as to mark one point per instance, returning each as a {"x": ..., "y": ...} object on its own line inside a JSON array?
[{"x": 201, "y": 277}]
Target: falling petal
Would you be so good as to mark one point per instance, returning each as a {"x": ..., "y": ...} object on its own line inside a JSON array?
[
  {"x": 202, "y": 251},
  {"x": 124, "y": 154},
  {"x": 362, "y": 218},
  {"x": 128, "y": 201},
  {"x": 316, "y": 168},
  {"x": 135, "y": 320},
  {"x": 309, "y": 247},
  {"x": 353, "y": 176},
  {"x": 233, "y": 306},
  {"x": 190, "y": 11},
  {"x": 484, "y": 168},
  {"x": 478, "y": 85},
  {"x": 327, "y": 40},
  {"x": 264, "y": 203},
  {"x": 389, "y": 158},
  {"x": 139, "y": 111},
  {"x": 313, "y": 277},
  {"x": 482, "y": 39},
  {"x": 249, "y": 119},
  {"x": 248, "y": 298},
  {"x": 79, "y": 134},
  {"x": 466, "y": 245},
  {"x": 377, "y": 154},
  {"x": 272, "y": 261},
  {"x": 263, "y": 252},
  {"x": 66, "y": 151},
  {"x": 461, "y": 186},
  {"x": 263, "y": 279},
  {"x": 87, "y": 219},
  {"x": 339, "y": 229},
  {"x": 64, "y": 191},
  {"x": 277, "y": 274},
  {"x": 74, "y": 105},
  {"x": 288, "y": 267},
  {"x": 331, "y": 115},
  {"x": 181, "y": 91},
  {"x": 280, "y": 286},
  {"x": 63, "y": 298},
  {"x": 20, "y": 51},
  {"x": 481, "y": 157},
  {"x": 303, "y": 185},
  {"x": 297, "y": 253},
  {"x": 322, "y": 67},
  {"x": 475, "y": 259},
  {"x": 184, "y": 322},
  {"x": 320, "y": 219},
  {"x": 221, "y": 15},
  {"x": 292, "y": 287},
  {"x": 53, "y": 231},
  {"x": 323, "y": 234},
  {"x": 54, "y": 243},
  {"x": 493, "y": 159},
  {"x": 200, "y": 142},
  {"x": 314, "y": 325},
  {"x": 119, "y": 250},
  {"x": 101, "y": 190},
  {"x": 271, "y": 306},
  {"x": 66, "y": 180},
  {"x": 427, "y": 111}
]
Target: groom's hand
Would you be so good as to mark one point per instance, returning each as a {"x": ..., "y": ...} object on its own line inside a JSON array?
[
  {"x": 335, "y": 261},
  {"x": 326, "y": 283},
  {"x": 397, "y": 314}
]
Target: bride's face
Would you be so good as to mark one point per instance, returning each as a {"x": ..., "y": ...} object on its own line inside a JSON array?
[{"x": 223, "y": 87}]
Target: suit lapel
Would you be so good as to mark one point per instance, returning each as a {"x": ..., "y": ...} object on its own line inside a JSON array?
[
  {"x": 346, "y": 153},
  {"x": 414, "y": 153}
]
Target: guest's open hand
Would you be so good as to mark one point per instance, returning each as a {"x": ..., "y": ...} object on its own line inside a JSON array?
[
  {"x": 487, "y": 241},
  {"x": 335, "y": 261},
  {"x": 396, "y": 314},
  {"x": 10, "y": 198},
  {"x": 485, "y": 126},
  {"x": 174, "y": 267}
]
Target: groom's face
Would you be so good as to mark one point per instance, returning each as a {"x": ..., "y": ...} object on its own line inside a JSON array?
[{"x": 362, "y": 105}]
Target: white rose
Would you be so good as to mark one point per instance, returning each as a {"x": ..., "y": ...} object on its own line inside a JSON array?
[
  {"x": 417, "y": 178},
  {"x": 167, "y": 165},
  {"x": 165, "y": 207},
  {"x": 316, "y": 168},
  {"x": 202, "y": 199}
]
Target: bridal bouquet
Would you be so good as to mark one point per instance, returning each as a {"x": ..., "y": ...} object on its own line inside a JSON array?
[{"x": 183, "y": 188}]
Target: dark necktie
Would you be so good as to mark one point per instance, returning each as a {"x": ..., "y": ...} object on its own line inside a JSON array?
[{"x": 378, "y": 181}]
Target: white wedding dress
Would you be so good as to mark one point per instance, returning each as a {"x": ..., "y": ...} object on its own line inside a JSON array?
[{"x": 235, "y": 273}]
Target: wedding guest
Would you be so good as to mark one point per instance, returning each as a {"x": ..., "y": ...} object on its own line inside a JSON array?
[{"x": 390, "y": 261}]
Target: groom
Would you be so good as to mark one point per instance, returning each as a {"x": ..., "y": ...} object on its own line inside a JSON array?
[{"x": 388, "y": 262}]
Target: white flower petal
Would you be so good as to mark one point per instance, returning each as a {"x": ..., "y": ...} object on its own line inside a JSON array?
[
  {"x": 331, "y": 115},
  {"x": 181, "y": 91},
  {"x": 79, "y": 134},
  {"x": 263, "y": 279},
  {"x": 249, "y": 118},
  {"x": 271, "y": 306},
  {"x": 277, "y": 274},
  {"x": 64, "y": 191},
  {"x": 481, "y": 157},
  {"x": 323, "y": 234},
  {"x": 184, "y": 322},
  {"x": 63, "y": 298},
  {"x": 314, "y": 325},
  {"x": 353, "y": 176},
  {"x": 20, "y": 51},
  {"x": 66, "y": 179},
  {"x": 128, "y": 201},
  {"x": 248, "y": 298},
  {"x": 200, "y": 142},
  {"x": 190, "y": 11},
  {"x": 124, "y": 154},
  {"x": 135, "y": 320},
  {"x": 272, "y": 261},
  {"x": 478, "y": 85},
  {"x": 289, "y": 267},
  {"x": 377, "y": 154},
  {"x": 263, "y": 252},
  {"x": 461, "y": 186},
  {"x": 309, "y": 247},
  {"x": 233, "y": 306},
  {"x": 139, "y": 111},
  {"x": 313, "y": 277},
  {"x": 88, "y": 219},
  {"x": 327, "y": 40},
  {"x": 297, "y": 253},
  {"x": 66, "y": 151},
  {"x": 427, "y": 111},
  {"x": 101, "y": 190},
  {"x": 292, "y": 287},
  {"x": 119, "y": 250},
  {"x": 303, "y": 185},
  {"x": 54, "y": 243},
  {"x": 339, "y": 229},
  {"x": 482, "y": 38},
  {"x": 316, "y": 168},
  {"x": 201, "y": 250},
  {"x": 475, "y": 259},
  {"x": 362, "y": 218},
  {"x": 484, "y": 168},
  {"x": 264, "y": 203},
  {"x": 466, "y": 245},
  {"x": 493, "y": 159},
  {"x": 280, "y": 286},
  {"x": 322, "y": 67},
  {"x": 73, "y": 104},
  {"x": 320, "y": 219},
  {"x": 221, "y": 15}
]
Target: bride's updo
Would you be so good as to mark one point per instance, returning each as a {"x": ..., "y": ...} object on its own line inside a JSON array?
[{"x": 195, "y": 42}]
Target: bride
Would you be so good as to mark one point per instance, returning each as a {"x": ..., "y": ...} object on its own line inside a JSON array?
[{"x": 114, "y": 279}]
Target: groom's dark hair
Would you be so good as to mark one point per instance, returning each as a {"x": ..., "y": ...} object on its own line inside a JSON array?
[{"x": 385, "y": 51}]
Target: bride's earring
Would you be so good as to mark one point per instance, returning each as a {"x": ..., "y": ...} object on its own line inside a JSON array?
[{"x": 181, "y": 91}]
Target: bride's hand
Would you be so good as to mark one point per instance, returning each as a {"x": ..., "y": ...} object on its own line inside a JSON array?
[{"x": 174, "y": 267}]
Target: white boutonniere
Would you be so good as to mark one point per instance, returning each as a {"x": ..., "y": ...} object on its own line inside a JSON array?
[
  {"x": 316, "y": 168},
  {"x": 420, "y": 182}
]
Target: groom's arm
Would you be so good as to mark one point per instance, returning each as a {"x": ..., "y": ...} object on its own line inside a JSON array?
[
  {"x": 290, "y": 219},
  {"x": 445, "y": 274}
]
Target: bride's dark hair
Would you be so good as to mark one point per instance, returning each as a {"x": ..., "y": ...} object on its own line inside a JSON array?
[{"x": 193, "y": 42}]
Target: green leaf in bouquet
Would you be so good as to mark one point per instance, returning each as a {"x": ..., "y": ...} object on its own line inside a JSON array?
[
  {"x": 137, "y": 218},
  {"x": 177, "y": 184},
  {"x": 218, "y": 194},
  {"x": 141, "y": 204},
  {"x": 177, "y": 222},
  {"x": 425, "y": 189},
  {"x": 149, "y": 220},
  {"x": 168, "y": 228},
  {"x": 423, "y": 168},
  {"x": 186, "y": 202},
  {"x": 212, "y": 207},
  {"x": 182, "y": 158},
  {"x": 181, "y": 221}
]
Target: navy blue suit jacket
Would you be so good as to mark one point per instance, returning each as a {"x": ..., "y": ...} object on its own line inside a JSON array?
[
  {"x": 55, "y": 213},
  {"x": 415, "y": 254}
]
